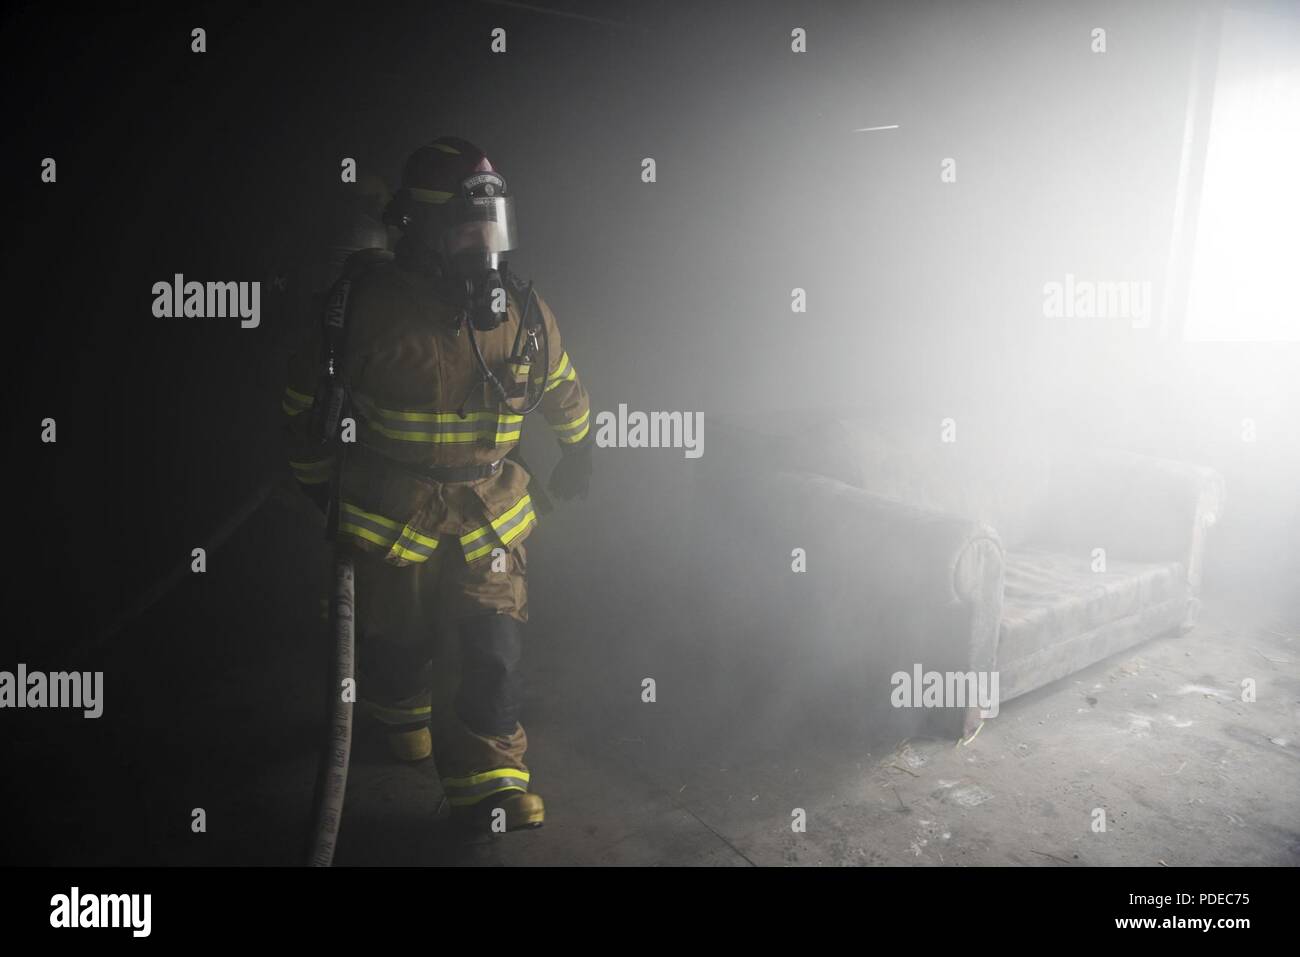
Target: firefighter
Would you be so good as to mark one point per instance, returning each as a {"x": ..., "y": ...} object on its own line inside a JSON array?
[{"x": 444, "y": 349}]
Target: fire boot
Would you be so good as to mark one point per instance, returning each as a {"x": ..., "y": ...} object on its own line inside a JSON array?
[
  {"x": 393, "y": 681},
  {"x": 512, "y": 812},
  {"x": 405, "y": 724},
  {"x": 480, "y": 754}
]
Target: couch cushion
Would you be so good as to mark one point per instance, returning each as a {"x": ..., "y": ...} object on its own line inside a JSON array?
[{"x": 1050, "y": 595}]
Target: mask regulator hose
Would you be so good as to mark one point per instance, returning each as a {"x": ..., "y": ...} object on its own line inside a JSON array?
[{"x": 528, "y": 331}]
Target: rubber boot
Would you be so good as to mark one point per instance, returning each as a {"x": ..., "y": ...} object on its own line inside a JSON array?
[
  {"x": 405, "y": 725},
  {"x": 485, "y": 744},
  {"x": 510, "y": 811},
  {"x": 414, "y": 745}
]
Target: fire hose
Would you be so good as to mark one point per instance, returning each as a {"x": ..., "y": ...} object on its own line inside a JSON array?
[{"x": 332, "y": 775}]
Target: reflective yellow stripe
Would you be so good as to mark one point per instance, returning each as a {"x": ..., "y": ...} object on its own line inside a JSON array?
[
  {"x": 351, "y": 509},
  {"x": 560, "y": 368},
  {"x": 511, "y": 512},
  {"x": 312, "y": 473},
  {"x": 394, "y": 715},
  {"x": 404, "y": 543},
  {"x": 429, "y": 195},
  {"x": 572, "y": 424},
  {"x": 499, "y": 435},
  {"x": 504, "y": 529},
  {"x": 419, "y": 538},
  {"x": 469, "y": 537},
  {"x": 576, "y": 436},
  {"x": 358, "y": 531},
  {"x": 295, "y": 402},
  {"x": 467, "y": 800},
  {"x": 423, "y": 546},
  {"x": 357, "y": 522},
  {"x": 484, "y": 776},
  {"x": 398, "y": 415},
  {"x": 564, "y": 372},
  {"x": 476, "y": 787},
  {"x": 440, "y": 428},
  {"x": 443, "y": 147},
  {"x": 480, "y": 551},
  {"x": 572, "y": 374},
  {"x": 529, "y": 520}
]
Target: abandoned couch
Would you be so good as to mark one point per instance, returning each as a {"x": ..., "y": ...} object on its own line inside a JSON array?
[{"x": 831, "y": 557}]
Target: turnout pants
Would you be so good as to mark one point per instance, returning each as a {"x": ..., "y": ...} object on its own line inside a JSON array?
[{"x": 440, "y": 643}]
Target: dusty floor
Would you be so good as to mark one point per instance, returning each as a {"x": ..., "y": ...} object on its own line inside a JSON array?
[
  {"x": 1159, "y": 738},
  {"x": 1186, "y": 773}
]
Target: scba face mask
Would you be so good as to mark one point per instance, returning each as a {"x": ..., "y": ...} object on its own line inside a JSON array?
[
  {"x": 471, "y": 230},
  {"x": 485, "y": 292}
]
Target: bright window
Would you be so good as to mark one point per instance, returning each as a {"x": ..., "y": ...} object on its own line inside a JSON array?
[{"x": 1245, "y": 278}]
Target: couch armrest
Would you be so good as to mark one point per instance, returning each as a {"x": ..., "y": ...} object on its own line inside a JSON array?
[{"x": 1135, "y": 506}]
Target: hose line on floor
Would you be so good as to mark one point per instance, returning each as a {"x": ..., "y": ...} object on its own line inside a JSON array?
[{"x": 332, "y": 776}]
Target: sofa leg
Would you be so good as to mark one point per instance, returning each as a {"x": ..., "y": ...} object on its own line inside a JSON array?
[{"x": 951, "y": 722}]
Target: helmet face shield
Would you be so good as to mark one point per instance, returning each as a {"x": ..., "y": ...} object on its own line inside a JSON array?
[{"x": 482, "y": 224}]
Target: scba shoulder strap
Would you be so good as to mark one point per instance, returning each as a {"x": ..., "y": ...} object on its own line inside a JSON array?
[
  {"x": 523, "y": 293},
  {"x": 531, "y": 339},
  {"x": 331, "y": 392}
]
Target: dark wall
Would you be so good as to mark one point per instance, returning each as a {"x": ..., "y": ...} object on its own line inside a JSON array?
[{"x": 924, "y": 297}]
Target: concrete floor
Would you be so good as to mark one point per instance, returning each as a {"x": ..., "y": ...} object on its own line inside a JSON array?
[
  {"x": 205, "y": 710},
  {"x": 1186, "y": 772}
]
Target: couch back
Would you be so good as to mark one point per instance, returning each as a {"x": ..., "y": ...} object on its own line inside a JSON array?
[{"x": 991, "y": 477}]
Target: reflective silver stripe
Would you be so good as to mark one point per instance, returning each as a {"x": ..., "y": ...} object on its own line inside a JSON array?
[
  {"x": 367, "y": 526},
  {"x": 376, "y": 523},
  {"x": 505, "y": 528},
  {"x": 573, "y": 424},
  {"x": 564, "y": 372},
  {"x": 404, "y": 543},
  {"x": 506, "y": 532},
  {"x": 561, "y": 368},
  {"x": 409, "y": 543},
  {"x": 576, "y": 437},
  {"x": 439, "y": 428},
  {"x": 455, "y": 427}
]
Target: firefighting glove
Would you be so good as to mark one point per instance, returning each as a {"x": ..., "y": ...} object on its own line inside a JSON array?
[{"x": 571, "y": 476}]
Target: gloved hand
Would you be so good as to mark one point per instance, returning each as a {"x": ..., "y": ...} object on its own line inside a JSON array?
[{"x": 571, "y": 476}]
